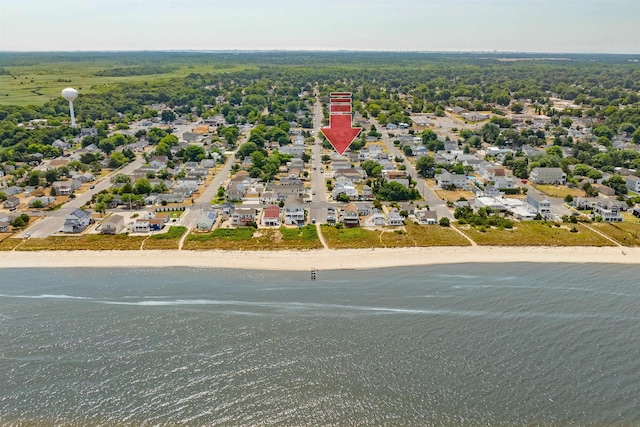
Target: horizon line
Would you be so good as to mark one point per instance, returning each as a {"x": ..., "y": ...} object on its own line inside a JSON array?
[{"x": 491, "y": 52}]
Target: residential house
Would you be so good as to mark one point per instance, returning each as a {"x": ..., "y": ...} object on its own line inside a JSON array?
[
  {"x": 608, "y": 210},
  {"x": 268, "y": 198},
  {"x": 394, "y": 218},
  {"x": 4, "y": 227},
  {"x": 503, "y": 182},
  {"x": 44, "y": 201},
  {"x": 206, "y": 220},
  {"x": 367, "y": 192},
  {"x": 604, "y": 189},
  {"x": 293, "y": 211},
  {"x": 474, "y": 116},
  {"x": 63, "y": 188},
  {"x": 242, "y": 217},
  {"x": 271, "y": 216},
  {"x": 170, "y": 198},
  {"x": 375, "y": 219},
  {"x": 633, "y": 183},
  {"x": 12, "y": 191},
  {"x": 447, "y": 179},
  {"x": 60, "y": 144},
  {"x": 540, "y": 203},
  {"x": 113, "y": 224},
  {"x": 351, "y": 175},
  {"x": 158, "y": 162},
  {"x": 191, "y": 136},
  {"x": 11, "y": 202},
  {"x": 425, "y": 216},
  {"x": 88, "y": 132},
  {"x": 76, "y": 221},
  {"x": 548, "y": 176},
  {"x": 208, "y": 163},
  {"x": 350, "y": 217},
  {"x": 83, "y": 177},
  {"x": 344, "y": 188}
]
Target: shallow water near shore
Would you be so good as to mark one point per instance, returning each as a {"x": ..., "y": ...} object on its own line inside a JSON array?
[{"x": 466, "y": 344}]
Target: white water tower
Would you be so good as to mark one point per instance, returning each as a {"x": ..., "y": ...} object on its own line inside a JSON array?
[{"x": 70, "y": 94}]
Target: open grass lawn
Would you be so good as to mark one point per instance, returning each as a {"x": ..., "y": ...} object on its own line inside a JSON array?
[
  {"x": 351, "y": 238},
  {"x": 536, "y": 233},
  {"x": 94, "y": 242},
  {"x": 168, "y": 240},
  {"x": 454, "y": 195},
  {"x": 560, "y": 191},
  {"x": 248, "y": 239},
  {"x": 627, "y": 234}
]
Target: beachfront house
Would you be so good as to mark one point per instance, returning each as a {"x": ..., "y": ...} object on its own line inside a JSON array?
[
  {"x": 76, "y": 221},
  {"x": 113, "y": 225},
  {"x": 293, "y": 211}
]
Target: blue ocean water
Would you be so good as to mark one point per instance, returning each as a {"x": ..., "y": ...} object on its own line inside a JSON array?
[{"x": 470, "y": 344}]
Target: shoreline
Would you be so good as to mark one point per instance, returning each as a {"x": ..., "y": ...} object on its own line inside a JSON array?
[{"x": 321, "y": 259}]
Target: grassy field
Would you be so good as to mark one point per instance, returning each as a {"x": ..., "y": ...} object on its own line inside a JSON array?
[
  {"x": 7, "y": 243},
  {"x": 248, "y": 238},
  {"x": 627, "y": 234},
  {"x": 351, "y": 238},
  {"x": 560, "y": 191},
  {"x": 35, "y": 84},
  {"x": 435, "y": 235},
  {"x": 536, "y": 233},
  {"x": 410, "y": 235},
  {"x": 168, "y": 240},
  {"x": 95, "y": 242}
]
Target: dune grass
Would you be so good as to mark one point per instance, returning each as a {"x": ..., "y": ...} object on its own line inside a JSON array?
[
  {"x": 536, "y": 233},
  {"x": 625, "y": 233}
]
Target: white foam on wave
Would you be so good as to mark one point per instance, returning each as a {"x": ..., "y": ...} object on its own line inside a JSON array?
[{"x": 46, "y": 296}]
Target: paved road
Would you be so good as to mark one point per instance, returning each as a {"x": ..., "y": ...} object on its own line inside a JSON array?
[
  {"x": 190, "y": 217},
  {"x": 430, "y": 198},
  {"x": 53, "y": 221}
]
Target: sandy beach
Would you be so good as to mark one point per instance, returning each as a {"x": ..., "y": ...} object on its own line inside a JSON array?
[{"x": 319, "y": 259}]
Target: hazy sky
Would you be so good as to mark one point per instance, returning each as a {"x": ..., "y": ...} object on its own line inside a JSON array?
[{"x": 597, "y": 26}]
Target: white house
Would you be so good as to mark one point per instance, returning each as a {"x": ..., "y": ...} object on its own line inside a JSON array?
[
  {"x": 548, "y": 176},
  {"x": 633, "y": 183},
  {"x": 76, "y": 221},
  {"x": 293, "y": 211},
  {"x": 446, "y": 179}
]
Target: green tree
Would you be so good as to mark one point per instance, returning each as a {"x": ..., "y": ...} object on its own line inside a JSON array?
[
  {"x": 425, "y": 166},
  {"x": 107, "y": 146},
  {"x": 143, "y": 186},
  {"x": 444, "y": 221},
  {"x": 194, "y": 153},
  {"x": 117, "y": 159},
  {"x": 168, "y": 116},
  {"x": 34, "y": 178},
  {"x": 618, "y": 183},
  {"x": 51, "y": 175},
  {"x": 101, "y": 207},
  {"x": 37, "y": 204},
  {"x": 372, "y": 168}
]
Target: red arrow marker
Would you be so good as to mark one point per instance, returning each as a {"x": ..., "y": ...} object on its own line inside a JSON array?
[{"x": 340, "y": 132}]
